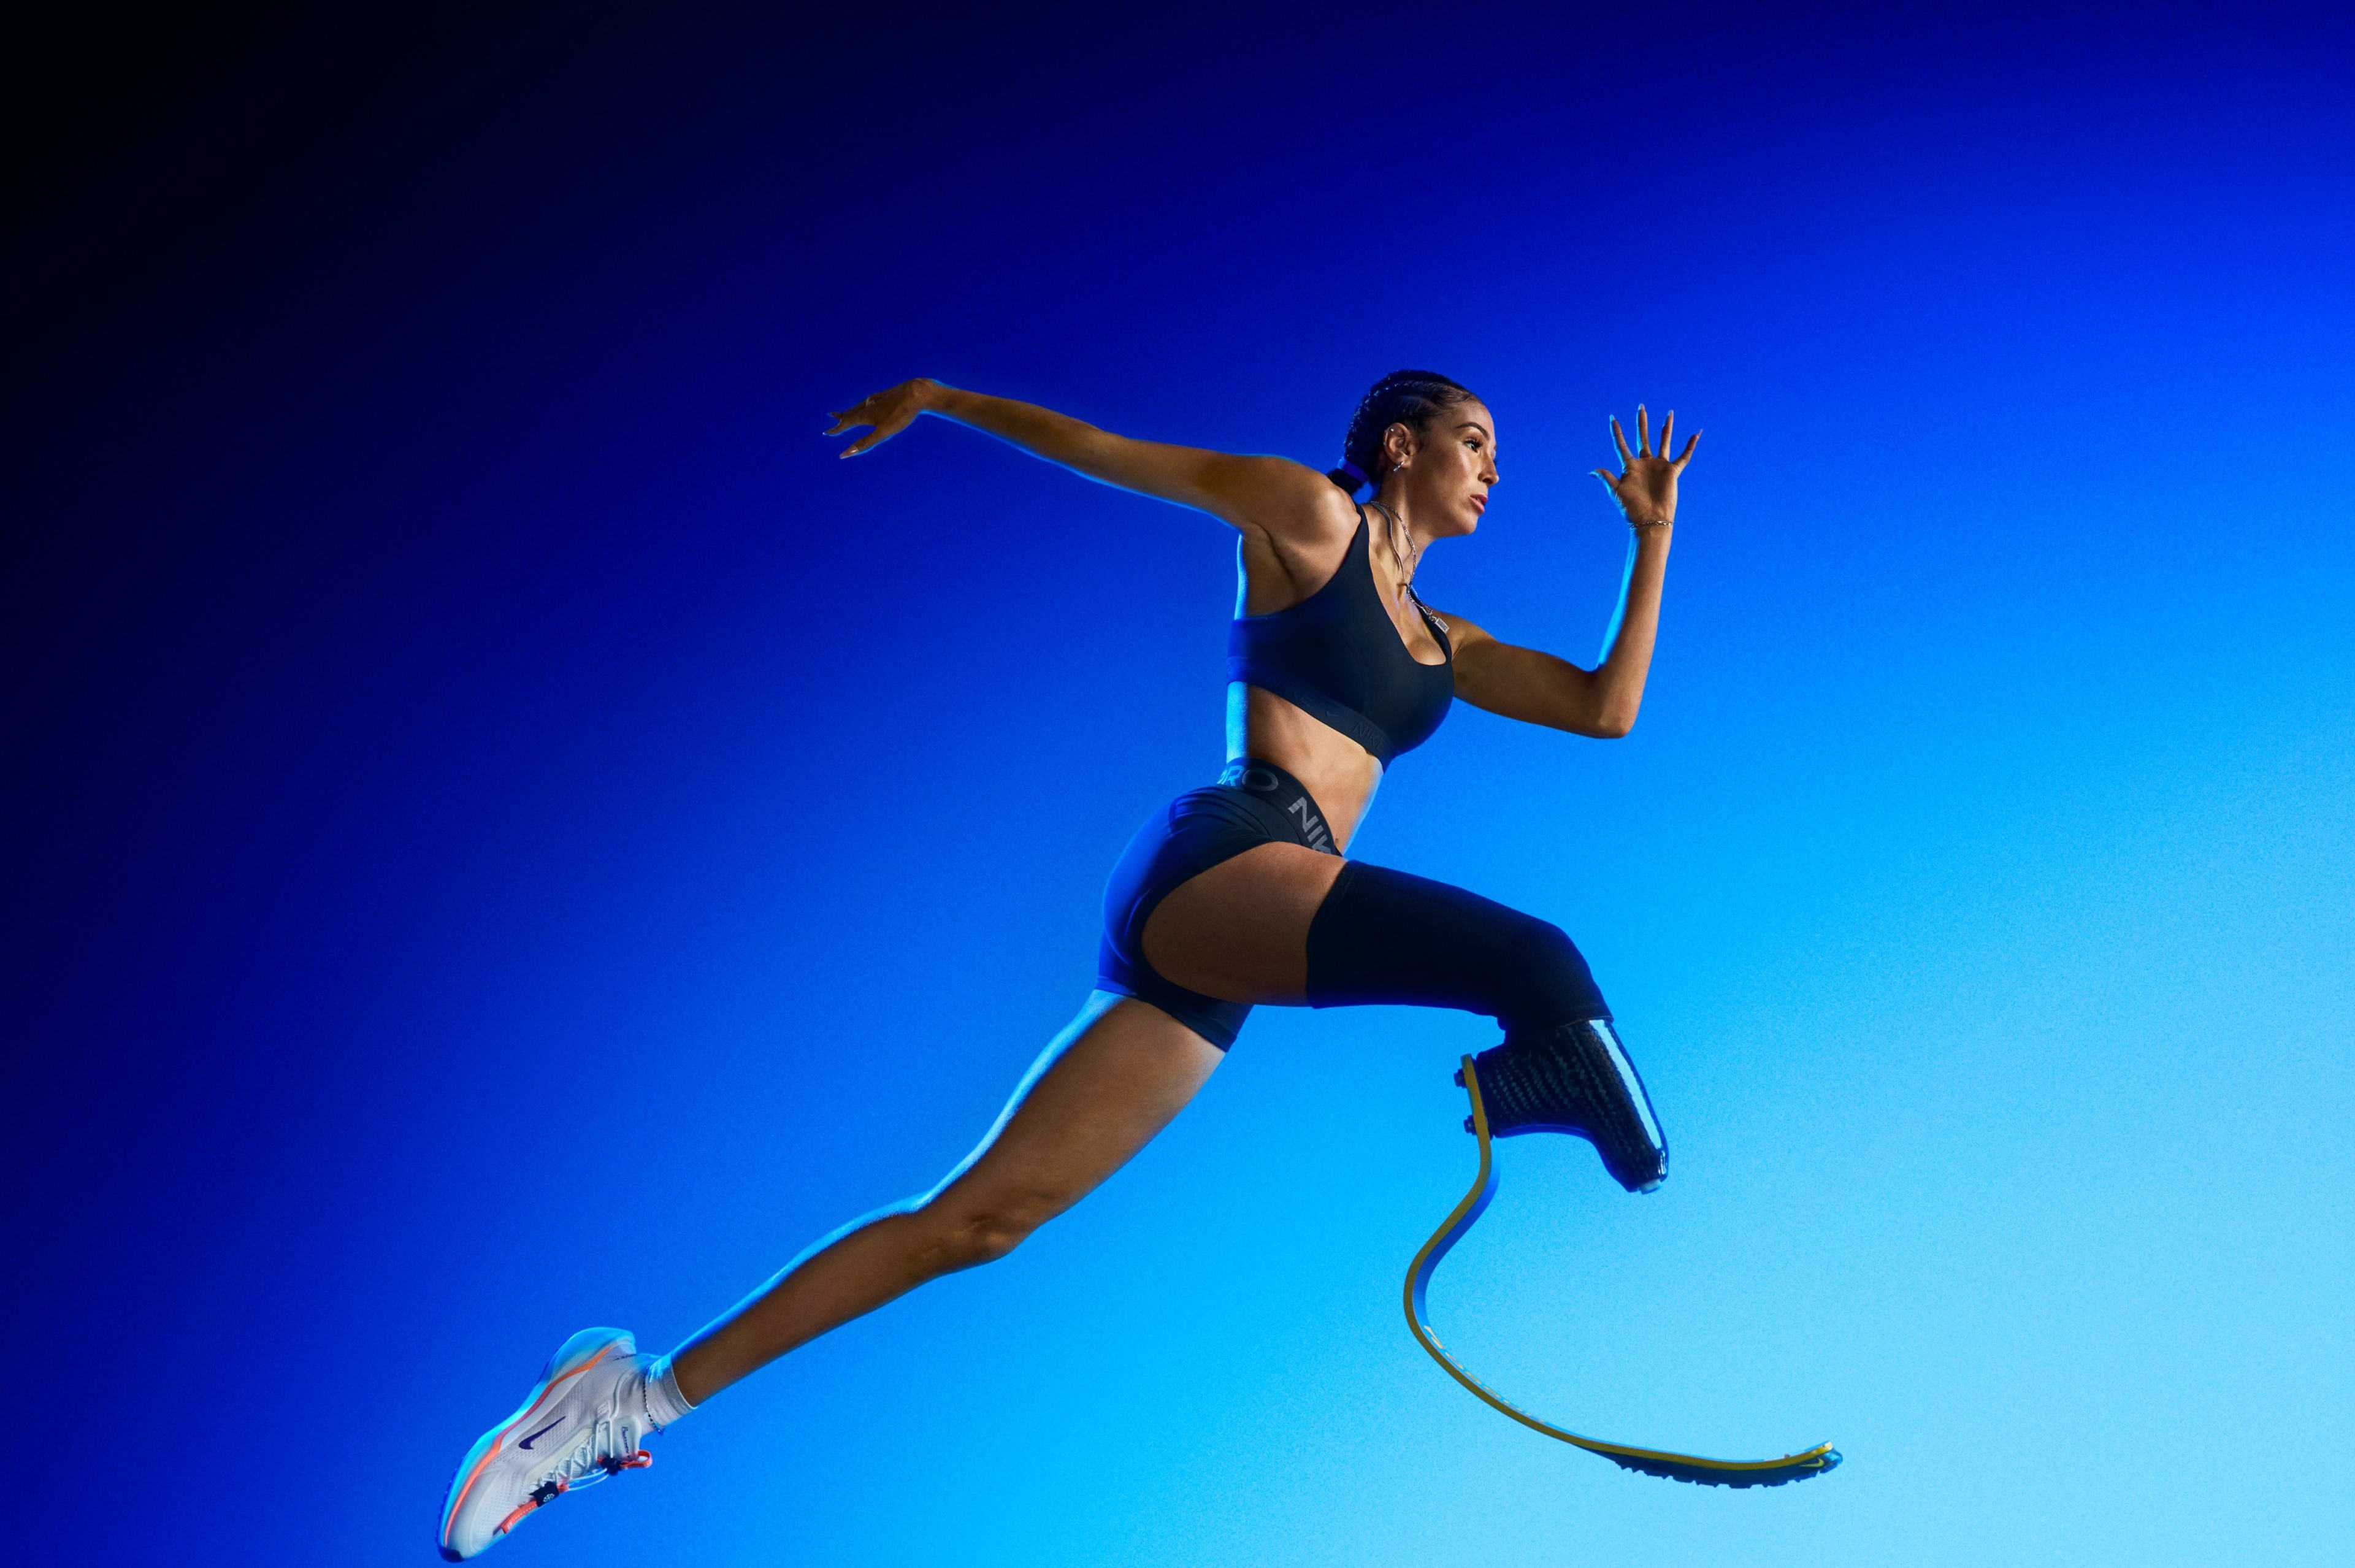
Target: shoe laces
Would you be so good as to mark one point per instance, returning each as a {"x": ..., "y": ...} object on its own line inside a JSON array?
[{"x": 606, "y": 1447}]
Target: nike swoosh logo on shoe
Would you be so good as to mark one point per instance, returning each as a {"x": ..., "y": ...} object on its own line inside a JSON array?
[{"x": 543, "y": 1431}]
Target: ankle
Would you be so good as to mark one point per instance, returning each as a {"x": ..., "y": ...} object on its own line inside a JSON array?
[{"x": 665, "y": 1401}]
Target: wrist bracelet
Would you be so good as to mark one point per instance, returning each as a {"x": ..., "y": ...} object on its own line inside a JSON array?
[{"x": 1652, "y": 523}]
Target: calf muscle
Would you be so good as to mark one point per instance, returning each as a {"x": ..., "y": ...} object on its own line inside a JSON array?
[{"x": 1096, "y": 1095}]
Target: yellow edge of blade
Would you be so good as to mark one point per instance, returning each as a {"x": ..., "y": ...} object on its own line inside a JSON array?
[{"x": 1430, "y": 1342}]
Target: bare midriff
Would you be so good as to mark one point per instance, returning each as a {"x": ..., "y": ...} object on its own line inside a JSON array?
[{"x": 1339, "y": 773}]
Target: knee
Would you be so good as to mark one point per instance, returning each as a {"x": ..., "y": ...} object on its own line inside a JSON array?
[
  {"x": 968, "y": 1236},
  {"x": 1540, "y": 944},
  {"x": 1548, "y": 982}
]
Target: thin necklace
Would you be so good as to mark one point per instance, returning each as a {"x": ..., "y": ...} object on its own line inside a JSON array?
[
  {"x": 1406, "y": 584},
  {"x": 1410, "y": 563}
]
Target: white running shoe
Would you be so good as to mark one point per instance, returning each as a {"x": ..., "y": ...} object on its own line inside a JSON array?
[{"x": 583, "y": 1423}]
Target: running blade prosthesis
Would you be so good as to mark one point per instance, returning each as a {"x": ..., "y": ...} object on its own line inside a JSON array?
[{"x": 1651, "y": 1462}]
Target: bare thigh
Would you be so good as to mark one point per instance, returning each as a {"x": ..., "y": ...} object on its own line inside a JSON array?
[
  {"x": 1103, "y": 1088},
  {"x": 1100, "y": 1089},
  {"x": 1239, "y": 930}
]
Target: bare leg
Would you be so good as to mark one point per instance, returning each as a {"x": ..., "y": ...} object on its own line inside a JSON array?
[{"x": 1096, "y": 1095}]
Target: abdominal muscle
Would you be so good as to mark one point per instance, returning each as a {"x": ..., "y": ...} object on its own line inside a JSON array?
[
  {"x": 1339, "y": 774},
  {"x": 1240, "y": 930}
]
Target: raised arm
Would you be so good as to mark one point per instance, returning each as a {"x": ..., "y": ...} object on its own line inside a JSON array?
[
  {"x": 1272, "y": 495},
  {"x": 1538, "y": 687}
]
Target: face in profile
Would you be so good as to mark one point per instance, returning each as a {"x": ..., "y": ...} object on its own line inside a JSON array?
[{"x": 1451, "y": 467}]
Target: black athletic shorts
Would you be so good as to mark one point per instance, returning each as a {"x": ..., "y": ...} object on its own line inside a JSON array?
[{"x": 1253, "y": 803}]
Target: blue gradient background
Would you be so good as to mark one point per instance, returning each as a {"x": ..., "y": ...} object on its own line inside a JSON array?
[{"x": 507, "y": 833}]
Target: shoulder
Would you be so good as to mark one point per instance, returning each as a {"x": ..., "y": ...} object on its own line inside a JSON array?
[
  {"x": 1293, "y": 544},
  {"x": 1284, "y": 500}
]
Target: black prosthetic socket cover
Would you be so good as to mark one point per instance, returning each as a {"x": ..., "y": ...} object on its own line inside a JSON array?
[
  {"x": 1386, "y": 937},
  {"x": 1576, "y": 1079}
]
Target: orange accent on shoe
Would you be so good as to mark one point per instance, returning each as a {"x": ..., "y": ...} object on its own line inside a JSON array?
[
  {"x": 637, "y": 1461},
  {"x": 499, "y": 1442},
  {"x": 530, "y": 1503}
]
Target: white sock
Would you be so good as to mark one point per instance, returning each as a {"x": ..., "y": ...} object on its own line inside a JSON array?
[{"x": 664, "y": 1404}]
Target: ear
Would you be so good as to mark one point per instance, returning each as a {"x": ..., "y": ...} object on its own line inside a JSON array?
[{"x": 1398, "y": 442}]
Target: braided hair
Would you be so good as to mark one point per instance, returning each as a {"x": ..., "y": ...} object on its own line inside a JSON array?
[{"x": 1411, "y": 397}]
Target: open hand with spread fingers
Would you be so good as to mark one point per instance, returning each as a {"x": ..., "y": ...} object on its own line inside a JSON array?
[
  {"x": 1647, "y": 491},
  {"x": 888, "y": 413}
]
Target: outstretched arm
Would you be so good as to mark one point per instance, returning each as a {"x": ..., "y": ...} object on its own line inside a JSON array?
[
  {"x": 1526, "y": 684},
  {"x": 1270, "y": 493}
]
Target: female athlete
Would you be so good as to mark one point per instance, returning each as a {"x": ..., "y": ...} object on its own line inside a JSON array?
[{"x": 1237, "y": 894}]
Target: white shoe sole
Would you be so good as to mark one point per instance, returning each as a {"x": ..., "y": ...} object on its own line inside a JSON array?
[{"x": 577, "y": 1355}]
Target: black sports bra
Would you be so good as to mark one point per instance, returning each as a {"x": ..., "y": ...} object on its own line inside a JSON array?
[{"x": 1337, "y": 655}]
